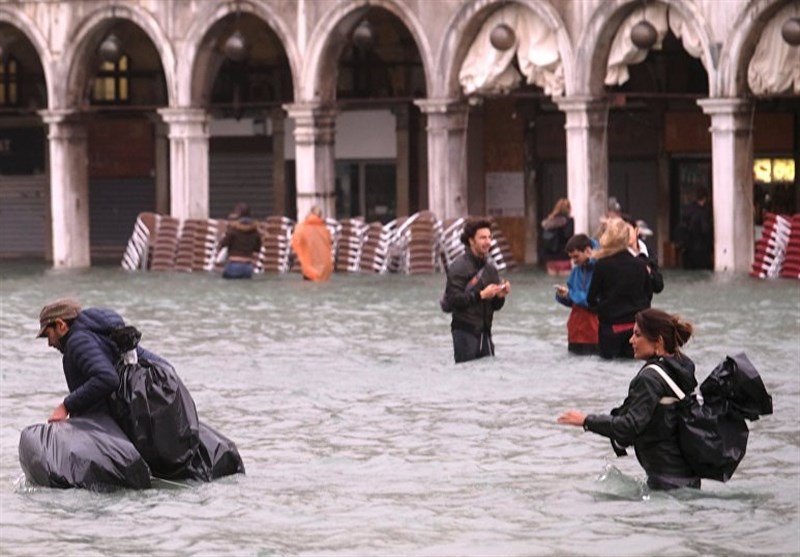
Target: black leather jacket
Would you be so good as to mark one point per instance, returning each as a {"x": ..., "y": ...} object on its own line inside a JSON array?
[
  {"x": 466, "y": 277},
  {"x": 650, "y": 425}
]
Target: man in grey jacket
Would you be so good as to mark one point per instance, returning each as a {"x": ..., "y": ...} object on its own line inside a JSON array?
[{"x": 473, "y": 293}]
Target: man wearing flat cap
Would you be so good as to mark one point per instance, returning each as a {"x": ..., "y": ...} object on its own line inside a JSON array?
[{"x": 89, "y": 355}]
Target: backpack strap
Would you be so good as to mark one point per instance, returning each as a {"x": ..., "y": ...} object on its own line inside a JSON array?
[{"x": 672, "y": 385}]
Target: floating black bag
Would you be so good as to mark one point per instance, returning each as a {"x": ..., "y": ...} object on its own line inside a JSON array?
[
  {"x": 713, "y": 435},
  {"x": 89, "y": 451},
  {"x": 153, "y": 408},
  {"x": 216, "y": 456}
]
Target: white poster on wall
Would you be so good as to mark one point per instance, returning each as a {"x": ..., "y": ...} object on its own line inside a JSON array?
[{"x": 505, "y": 194}]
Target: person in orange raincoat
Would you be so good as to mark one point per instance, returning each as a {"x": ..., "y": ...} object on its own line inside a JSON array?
[{"x": 311, "y": 241}]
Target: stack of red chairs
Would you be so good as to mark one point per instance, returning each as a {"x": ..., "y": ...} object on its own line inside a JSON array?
[
  {"x": 791, "y": 263},
  {"x": 771, "y": 247}
]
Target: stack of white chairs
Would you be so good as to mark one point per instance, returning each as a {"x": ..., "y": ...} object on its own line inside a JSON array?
[
  {"x": 771, "y": 247},
  {"x": 276, "y": 234},
  {"x": 348, "y": 246},
  {"x": 451, "y": 245},
  {"x": 376, "y": 241},
  {"x": 138, "y": 248},
  {"x": 416, "y": 245}
]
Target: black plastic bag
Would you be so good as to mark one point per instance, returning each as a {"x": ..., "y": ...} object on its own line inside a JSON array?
[
  {"x": 216, "y": 456},
  {"x": 713, "y": 436},
  {"x": 712, "y": 441},
  {"x": 154, "y": 409},
  {"x": 89, "y": 451}
]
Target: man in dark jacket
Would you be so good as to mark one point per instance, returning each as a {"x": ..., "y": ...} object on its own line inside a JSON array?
[
  {"x": 473, "y": 293},
  {"x": 89, "y": 355}
]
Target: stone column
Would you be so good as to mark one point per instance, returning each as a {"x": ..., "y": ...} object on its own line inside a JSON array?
[
  {"x": 587, "y": 160},
  {"x": 69, "y": 188},
  {"x": 188, "y": 157},
  {"x": 162, "y": 165},
  {"x": 402, "y": 182},
  {"x": 732, "y": 170},
  {"x": 447, "y": 157},
  {"x": 314, "y": 132},
  {"x": 277, "y": 119}
]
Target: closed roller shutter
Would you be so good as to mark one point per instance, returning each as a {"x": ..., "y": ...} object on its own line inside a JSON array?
[
  {"x": 23, "y": 216},
  {"x": 114, "y": 205},
  {"x": 240, "y": 176}
]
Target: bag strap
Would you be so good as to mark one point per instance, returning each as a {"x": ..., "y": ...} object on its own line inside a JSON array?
[{"x": 675, "y": 389}]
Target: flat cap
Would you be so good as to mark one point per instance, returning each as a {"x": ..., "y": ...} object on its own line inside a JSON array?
[{"x": 65, "y": 308}]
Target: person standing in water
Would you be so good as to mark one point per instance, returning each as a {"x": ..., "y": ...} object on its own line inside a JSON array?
[
  {"x": 473, "y": 293},
  {"x": 311, "y": 242},
  {"x": 648, "y": 417},
  {"x": 243, "y": 240}
]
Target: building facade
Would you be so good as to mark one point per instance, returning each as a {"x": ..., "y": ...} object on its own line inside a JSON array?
[{"x": 382, "y": 108}]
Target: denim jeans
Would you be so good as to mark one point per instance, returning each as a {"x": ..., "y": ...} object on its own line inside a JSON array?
[
  {"x": 237, "y": 270},
  {"x": 469, "y": 346}
]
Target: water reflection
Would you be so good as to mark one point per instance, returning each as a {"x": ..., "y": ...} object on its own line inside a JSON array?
[{"x": 360, "y": 436}]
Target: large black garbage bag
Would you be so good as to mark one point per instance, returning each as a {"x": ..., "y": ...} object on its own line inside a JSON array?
[
  {"x": 88, "y": 451},
  {"x": 216, "y": 457},
  {"x": 154, "y": 408},
  {"x": 713, "y": 435},
  {"x": 737, "y": 381}
]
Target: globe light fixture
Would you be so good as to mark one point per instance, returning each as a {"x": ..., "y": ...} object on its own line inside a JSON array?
[
  {"x": 111, "y": 49},
  {"x": 644, "y": 35},
  {"x": 363, "y": 35},
  {"x": 791, "y": 31},
  {"x": 502, "y": 37},
  {"x": 235, "y": 47}
]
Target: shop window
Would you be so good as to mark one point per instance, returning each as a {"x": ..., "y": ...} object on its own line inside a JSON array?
[
  {"x": 9, "y": 82},
  {"x": 111, "y": 84},
  {"x": 773, "y": 187}
]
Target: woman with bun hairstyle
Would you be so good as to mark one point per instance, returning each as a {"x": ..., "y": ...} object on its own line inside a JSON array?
[
  {"x": 620, "y": 287},
  {"x": 648, "y": 418}
]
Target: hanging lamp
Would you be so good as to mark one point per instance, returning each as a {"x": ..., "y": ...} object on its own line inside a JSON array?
[{"x": 790, "y": 31}]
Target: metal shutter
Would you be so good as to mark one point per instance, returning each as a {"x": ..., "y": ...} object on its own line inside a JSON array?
[
  {"x": 240, "y": 177},
  {"x": 23, "y": 216}
]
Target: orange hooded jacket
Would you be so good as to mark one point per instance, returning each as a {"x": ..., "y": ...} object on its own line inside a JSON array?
[{"x": 311, "y": 241}]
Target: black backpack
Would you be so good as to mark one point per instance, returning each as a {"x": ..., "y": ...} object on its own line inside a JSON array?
[{"x": 713, "y": 434}]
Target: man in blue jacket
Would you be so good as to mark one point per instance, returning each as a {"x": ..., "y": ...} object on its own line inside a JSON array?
[
  {"x": 582, "y": 326},
  {"x": 89, "y": 355}
]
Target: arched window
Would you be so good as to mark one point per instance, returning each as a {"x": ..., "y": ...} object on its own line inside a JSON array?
[
  {"x": 111, "y": 84},
  {"x": 9, "y": 82}
]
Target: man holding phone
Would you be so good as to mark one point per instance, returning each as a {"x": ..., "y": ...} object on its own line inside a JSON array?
[{"x": 474, "y": 291}]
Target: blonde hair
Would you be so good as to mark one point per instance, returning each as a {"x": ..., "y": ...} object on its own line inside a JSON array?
[
  {"x": 562, "y": 207},
  {"x": 615, "y": 238}
]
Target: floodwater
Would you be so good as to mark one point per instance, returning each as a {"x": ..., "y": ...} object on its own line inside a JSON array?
[{"x": 361, "y": 437}]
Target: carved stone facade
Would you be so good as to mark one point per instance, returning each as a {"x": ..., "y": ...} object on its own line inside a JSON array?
[{"x": 567, "y": 75}]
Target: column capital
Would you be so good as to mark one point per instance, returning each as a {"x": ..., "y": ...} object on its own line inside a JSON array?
[
  {"x": 311, "y": 112},
  {"x": 185, "y": 121},
  {"x": 64, "y": 124},
  {"x": 184, "y": 115},
  {"x": 581, "y": 104},
  {"x": 442, "y": 106},
  {"x": 314, "y": 122},
  {"x": 583, "y": 112},
  {"x": 726, "y": 106},
  {"x": 61, "y": 116}
]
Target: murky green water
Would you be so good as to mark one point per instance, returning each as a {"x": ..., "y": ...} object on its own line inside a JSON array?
[{"x": 361, "y": 437}]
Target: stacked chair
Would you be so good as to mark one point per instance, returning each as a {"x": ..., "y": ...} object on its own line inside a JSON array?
[
  {"x": 374, "y": 255},
  {"x": 165, "y": 243},
  {"x": 771, "y": 247},
  {"x": 276, "y": 235},
  {"x": 348, "y": 247},
  {"x": 138, "y": 249},
  {"x": 417, "y": 244},
  {"x": 791, "y": 263}
]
